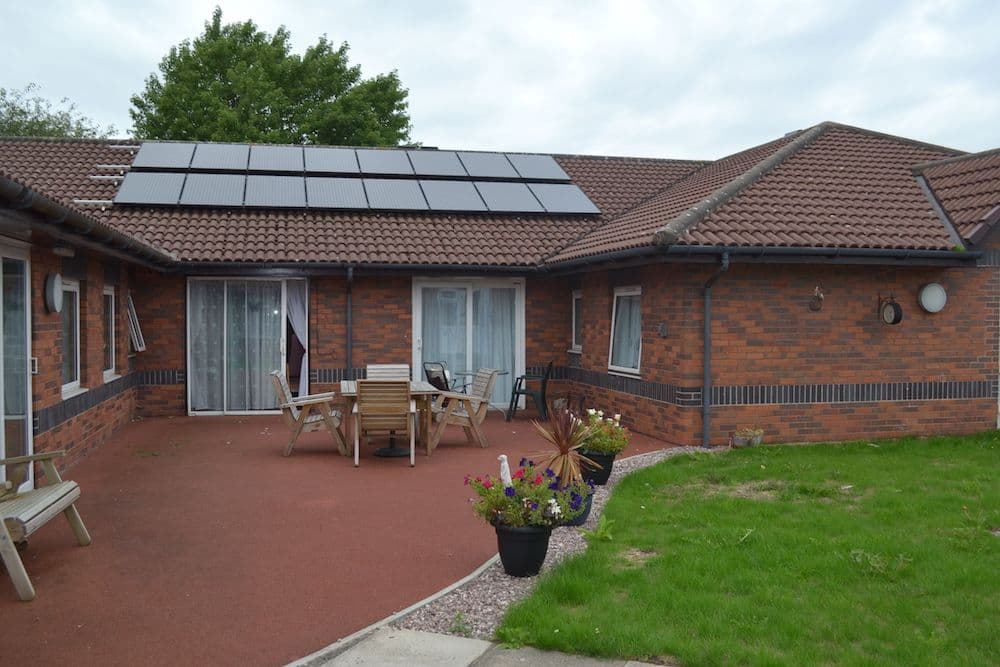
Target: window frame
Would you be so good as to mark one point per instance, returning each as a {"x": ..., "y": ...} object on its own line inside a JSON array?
[
  {"x": 112, "y": 372},
  {"x": 575, "y": 299},
  {"x": 69, "y": 388},
  {"x": 631, "y": 290},
  {"x": 134, "y": 328}
]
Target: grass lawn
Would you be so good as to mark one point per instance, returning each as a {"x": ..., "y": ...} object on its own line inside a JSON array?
[{"x": 861, "y": 553}]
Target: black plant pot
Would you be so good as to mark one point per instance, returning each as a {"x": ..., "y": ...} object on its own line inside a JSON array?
[
  {"x": 598, "y": 476},
  {"x": 588, "y": 504},
  {"x": 522, "y": 548}
]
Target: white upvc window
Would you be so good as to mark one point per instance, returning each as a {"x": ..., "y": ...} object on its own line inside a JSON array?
[
  {"x": 136, "y": 339},
  {"x": 71, "y": 337},
  {"x": 626, "y": 330},
  {"x": 108, "y": 332},
  {"x": 577, "y": 345}
]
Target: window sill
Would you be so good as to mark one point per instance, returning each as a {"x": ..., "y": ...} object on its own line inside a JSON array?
[
  {"x": 572, "y": 351},
  {"x": 624, "y": 374},
  {"x": 110, "y": 376},
  {"x": 75, "y": 391}
]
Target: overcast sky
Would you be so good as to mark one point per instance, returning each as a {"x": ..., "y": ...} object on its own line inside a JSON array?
[{"x": 687, "y": 79}]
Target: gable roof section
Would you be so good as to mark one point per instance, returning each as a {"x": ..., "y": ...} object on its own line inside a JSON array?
[
  {"x": 968, "y": 190},
  {"x": 830, "y": 186},
  {"x": 62, "y": 170}
]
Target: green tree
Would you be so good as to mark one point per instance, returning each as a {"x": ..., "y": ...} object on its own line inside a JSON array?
[
  {"x": 238, "y": 83},
  {"x": 25, "y": 114}
]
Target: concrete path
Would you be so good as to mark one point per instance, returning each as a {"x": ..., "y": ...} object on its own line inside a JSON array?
[{"x": 409, "y": 648}]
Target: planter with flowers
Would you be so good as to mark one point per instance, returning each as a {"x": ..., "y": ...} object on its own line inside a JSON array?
[
  {"x": 523, "y": 508},
  {"x": 607, "y": 439},
  {"x": 567, "y": 434},
  {"x": 747, "y": 436}
]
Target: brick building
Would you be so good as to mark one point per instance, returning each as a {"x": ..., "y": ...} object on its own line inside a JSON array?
[{"x": 187, "y": 273}]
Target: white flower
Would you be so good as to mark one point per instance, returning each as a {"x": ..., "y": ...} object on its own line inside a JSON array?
[
  {"x": 618, "y": 418},
  {"x": 600, "y": 413},
  {"x": 554, "y": 508},
  {"x": 591, "y": 411}
]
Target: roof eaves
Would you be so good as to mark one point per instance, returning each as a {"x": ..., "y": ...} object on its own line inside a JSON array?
[{"x": 673, "y": 230}]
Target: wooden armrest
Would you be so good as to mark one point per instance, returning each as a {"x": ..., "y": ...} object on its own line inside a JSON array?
[
  {"x": 326, "y": 394},
  {"x": 34, "y": 457},
  {"x": 307, "y": 400},
  {"x": 455, "y": 395}
]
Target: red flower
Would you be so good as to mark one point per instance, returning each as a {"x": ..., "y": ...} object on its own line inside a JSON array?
[
  {"x": 539, "y": 480},
  {"x": 487, "y": 484},
  {"x": 519, "y": 474}
]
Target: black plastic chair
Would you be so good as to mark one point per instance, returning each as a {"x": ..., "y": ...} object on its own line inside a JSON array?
[
  {"x": 437, "y": 374},
  {"x": 536, "y": 395}
]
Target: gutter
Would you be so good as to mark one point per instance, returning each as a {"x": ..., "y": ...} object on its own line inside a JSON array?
[
  {"x": 775, "y": 253},
  {"x": 706, "y": 385},
  {"x": 69, "y": 225}
]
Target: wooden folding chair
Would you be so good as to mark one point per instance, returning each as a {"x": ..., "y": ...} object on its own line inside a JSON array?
[
  {"x": 307, "y": 413},
  {"x": 465, "y": 410}
]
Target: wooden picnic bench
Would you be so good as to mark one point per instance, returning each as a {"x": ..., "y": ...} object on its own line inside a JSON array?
[{"x": 21, "y": 514}]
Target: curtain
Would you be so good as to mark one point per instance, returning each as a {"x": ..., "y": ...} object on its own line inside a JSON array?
[
  {"x": 295, "y": 300},
  {"x": 627, "y": 332},
  {"x": 443, "y": 328},
  {"x": 493, "y": 336},
  {"x": 206, "y": 313},
  {"x": 15, "y": 361},
  {"x": 253, "y": 347}
]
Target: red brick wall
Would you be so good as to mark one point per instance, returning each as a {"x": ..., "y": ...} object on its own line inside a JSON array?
[
  {"x": 81, "y": 433},
  {"x": 764, "y": 333},
  {"x": 160, "y": 303}
]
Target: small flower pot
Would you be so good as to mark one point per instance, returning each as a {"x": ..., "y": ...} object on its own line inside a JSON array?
[
  {"x": 588, "y": 504},
  {"x": 522, "y": 548},
  {"x": 598, "y": 476}
]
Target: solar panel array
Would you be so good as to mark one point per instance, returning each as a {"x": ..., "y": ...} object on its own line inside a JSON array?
[{"x": 317, "y": 177}]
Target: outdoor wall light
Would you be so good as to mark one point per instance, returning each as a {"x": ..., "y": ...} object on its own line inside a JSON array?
[
  {"x": 53, "y": 293},
  {"x": 889, "y": 312},
  {"x": 932, "y": 297}
]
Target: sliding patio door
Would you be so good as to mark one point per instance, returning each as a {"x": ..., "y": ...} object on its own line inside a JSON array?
[
  {"x": 15, "y": 387},
  {"x": 471, "y": 324},
  {"x": 236, "y": 337}
]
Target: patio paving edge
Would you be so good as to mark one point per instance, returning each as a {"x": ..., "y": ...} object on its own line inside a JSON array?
[{"x": 331, "y": 651}]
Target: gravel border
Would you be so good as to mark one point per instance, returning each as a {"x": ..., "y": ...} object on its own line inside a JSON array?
[{"x": 483, "y": 601}]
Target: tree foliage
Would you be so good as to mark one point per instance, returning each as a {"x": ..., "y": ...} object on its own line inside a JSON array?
[
  {"x": 23, "y": 113},
  {"x": 238, "y": 83}
]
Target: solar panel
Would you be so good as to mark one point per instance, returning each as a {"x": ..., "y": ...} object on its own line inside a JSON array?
[
  {"x": 385, "y": 161},
  {"x": 331, "y": 160},
  {"x": 563, "y": 198},
  {"x": 452, "y": 196},
  {"x": 213, "y": 190},
  {"x": 276, "y": 158},
  {"x": 487, "y": 165},
  {"x": 508, "y": 197},
  {"x": 537, "y": 166},
  {"x": 164, "y": 155},
  {"x": 394, "y": 194},
  {"x": 275, "y": 191},
  {"x": 149, "y": 188},
  {"x": 436, "y": 163},
  {"x": 336, "y": 193},
  {"x": 221, "y": 156}
]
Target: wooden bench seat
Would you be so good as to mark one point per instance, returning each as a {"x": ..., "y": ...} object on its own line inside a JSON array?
[{"x": 23, "y": 513}]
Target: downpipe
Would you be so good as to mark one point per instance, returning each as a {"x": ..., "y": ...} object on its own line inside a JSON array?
[{"x": 706, "y": 384}]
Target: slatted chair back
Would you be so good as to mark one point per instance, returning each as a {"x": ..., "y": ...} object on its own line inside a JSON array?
[
  {"x": 384, "y": 405},
  {"x": 284, "y": 394},
  {"x": 388, "y": 372},
  {"x": 481, "y": 390}
]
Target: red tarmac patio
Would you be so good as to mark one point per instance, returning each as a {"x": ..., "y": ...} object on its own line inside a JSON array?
[{"x": 211, "y": 548}]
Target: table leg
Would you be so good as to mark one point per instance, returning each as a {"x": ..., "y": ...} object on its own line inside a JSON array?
[
  {"x": 348, "y": 422},
  {"x": 425, "y": 434}
]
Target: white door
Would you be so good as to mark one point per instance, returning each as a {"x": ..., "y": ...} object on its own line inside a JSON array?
[
  {"x": 236, "y": 336},
  {"x": 15, "y": 389},
  {"x": 470, "y": 324}
]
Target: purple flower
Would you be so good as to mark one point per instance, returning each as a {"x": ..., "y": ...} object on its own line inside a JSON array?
[
  {"x": 534, "y": 506},
  {"x": 554, "y": 486},
  {"x": 574, "y": 500},
  {"x": 510, "y": 492},
  {"x": 549, "y": 473},
  {"x": 523, "y": 462}
]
